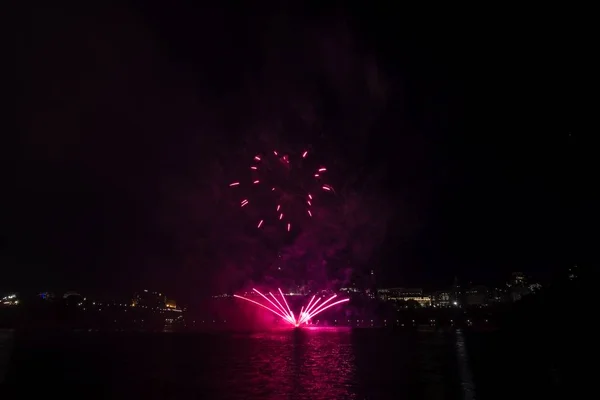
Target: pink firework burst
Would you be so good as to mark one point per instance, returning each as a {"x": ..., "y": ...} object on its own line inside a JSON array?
[
  {"x": 312, "y": 309},
  {"x": 281, "y": 189}
]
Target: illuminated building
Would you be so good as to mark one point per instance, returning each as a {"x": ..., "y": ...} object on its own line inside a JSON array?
[
  {"x": 352, "y": 289},
  {"x": 497, "y": 295},
  {"x": 517, "y": 286},
  {"x": 10, "y": 300},
  {"x": 383, "y": 294},
  {"x": 423, "y": 301},
  {"x": 147, "y": 299},
  {"x": 442, "y": 299},
  {"x": 171, "y": 304},
  {"x": 405, "y": 294},
  {"x": 456, "y": 295},
  {"x": 518, "y": 279},
  {"x": 399, "y": 293},
  {"x": 534, "y": 287}
]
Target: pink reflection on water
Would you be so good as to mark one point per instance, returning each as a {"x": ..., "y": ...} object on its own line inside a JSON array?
[{"x": 309, "y": 363}]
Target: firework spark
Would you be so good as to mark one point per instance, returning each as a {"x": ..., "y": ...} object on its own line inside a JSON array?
[
  {"x": 286, "y": 178},
  {"x": 306, "y": 313}
]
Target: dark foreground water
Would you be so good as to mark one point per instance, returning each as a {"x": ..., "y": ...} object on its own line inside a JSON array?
[{"x": 291, "y": 364}]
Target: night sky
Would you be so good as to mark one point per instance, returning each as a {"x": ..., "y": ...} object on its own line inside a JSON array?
[{"x": 130, "y": 121}]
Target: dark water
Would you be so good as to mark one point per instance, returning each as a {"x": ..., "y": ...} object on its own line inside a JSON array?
[{"x": 292, "y": 364}]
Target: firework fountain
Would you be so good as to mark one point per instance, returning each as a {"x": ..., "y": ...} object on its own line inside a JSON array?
[{"x": 285, "y": 313}]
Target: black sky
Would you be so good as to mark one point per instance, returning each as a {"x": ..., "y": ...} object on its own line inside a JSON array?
[{"x": 127, "y": 118}]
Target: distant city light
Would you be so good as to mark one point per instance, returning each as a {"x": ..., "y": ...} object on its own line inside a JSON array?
[{"x": 10, "y": 300}]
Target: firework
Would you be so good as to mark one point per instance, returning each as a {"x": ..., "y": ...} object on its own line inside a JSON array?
[
  {"x": 282, "y": 188},
  {"x": 311, "y": 310}
]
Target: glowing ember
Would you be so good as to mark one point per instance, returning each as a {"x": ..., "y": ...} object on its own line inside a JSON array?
[{"x": 285, "y": 313}]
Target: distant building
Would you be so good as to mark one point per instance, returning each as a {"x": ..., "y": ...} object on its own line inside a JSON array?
[
  {"x": 383, "y": 294},
  {"x": 404, "y": 294},
  {"x": 516, "y": 293},
  {"x": 476, "y": 296},
  {"x": 10, "y": 300},
  {"x": 423, "y": 301},
  {"x": 517, "y": 279},
  {"x": 149, "y": 299},
  {"x": 498, "y": 295},
  {"x": 411, "y": 292},
  {"x": 442, "y": 299},
  {"x": 398, "y": 293},
  {"x": 517, "y": 286},
  {"x": 171, "y": 304},
  {"x": 370, "y": 284},
  {"x": 534, "y": 287},
  {"x": 456, "y": 294},
  {"x": 350, "y": 289}
]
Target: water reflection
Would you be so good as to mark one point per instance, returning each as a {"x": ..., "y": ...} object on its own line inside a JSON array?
[
  {"x": 6, "y": 339},
  {"x": 313, "y": 364},
  {"x": 302, "y": 364}
]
